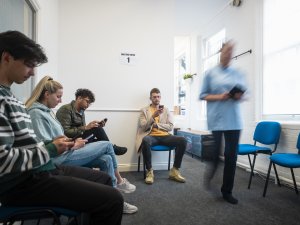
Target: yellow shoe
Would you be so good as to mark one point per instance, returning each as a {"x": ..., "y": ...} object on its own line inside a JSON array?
[
  {"x": 149, "y": 177},
  {"x": 175, "y": 175}
]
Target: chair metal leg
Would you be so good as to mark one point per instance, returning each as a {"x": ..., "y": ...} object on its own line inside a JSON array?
[
  {"x": 267, "y": 180},
  {"x": 169, "y": 162},
  {"x": 250, "y": 163},
  {"x": 295, "y": 185},
  {"x": 277, "y": 177},
  {"x": 139, "y": 161},
  {"x": 252, "y": 169}
]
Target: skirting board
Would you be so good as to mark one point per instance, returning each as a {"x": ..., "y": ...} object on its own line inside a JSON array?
[
  {"x": 134, "y": 166},
  {"x": 281, "y": 178}
]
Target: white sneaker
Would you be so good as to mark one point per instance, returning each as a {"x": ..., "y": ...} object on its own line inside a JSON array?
[
  {"x": 126, "y": 187},
  {"x": 129, "y": 209}
]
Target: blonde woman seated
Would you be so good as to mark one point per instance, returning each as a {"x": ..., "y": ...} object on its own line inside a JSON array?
[{"x": 47, "y": 95}]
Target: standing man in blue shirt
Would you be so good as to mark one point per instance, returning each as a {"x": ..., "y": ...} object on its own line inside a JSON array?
[{"x": 223, "y": 88}]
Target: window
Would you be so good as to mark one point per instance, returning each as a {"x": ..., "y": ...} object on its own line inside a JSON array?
[
  {"x": 182, "y": 66},
  {"x": 211, "y": 55},
  {"x": 19, "y": 15},
  {"x": 281, "y": 54}
]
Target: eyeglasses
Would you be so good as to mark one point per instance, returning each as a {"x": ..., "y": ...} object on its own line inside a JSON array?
[{"x": 88, "y": 101}]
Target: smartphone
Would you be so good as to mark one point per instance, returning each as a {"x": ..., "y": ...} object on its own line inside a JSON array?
[
  {"x": 89, "y": 137},
  {"x": 161, "y": 107},
  {"x": 103, "y": 121}
]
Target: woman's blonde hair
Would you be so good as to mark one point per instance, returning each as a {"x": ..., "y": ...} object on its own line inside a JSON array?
[{"x": 45, "y": 84}]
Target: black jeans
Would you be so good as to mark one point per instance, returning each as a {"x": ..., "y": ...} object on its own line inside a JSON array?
[
  {"x": 98, "y": 132},
  {"x": 230, "y": 157},
  {"x": 170, "y": 140},
  {"x": 76, "y": 188}
]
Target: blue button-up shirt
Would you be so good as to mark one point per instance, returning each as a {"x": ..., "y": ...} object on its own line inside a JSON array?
[{"x": 225, "y": 114}]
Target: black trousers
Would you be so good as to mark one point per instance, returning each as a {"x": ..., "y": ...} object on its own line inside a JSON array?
[
  {"x": 98, "y": 132},
  {"x": 231, "y": 138},
  {"x": 76, "y": 188},
  {"x": 170, "y": 140}
]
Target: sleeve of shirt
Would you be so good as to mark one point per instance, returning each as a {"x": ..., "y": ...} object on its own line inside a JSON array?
[
  {"x": 205, "y": 89},
  {"x": 18, "y": 159},
  {"x": 168, "y": 126},
  {"x": 145, "y": 123},
  {"x": 64, "y": 116},
  {"x": 41, "y": 126},
  {"x": 244, "y": 85},
  {"x": 51, "y": 148}
]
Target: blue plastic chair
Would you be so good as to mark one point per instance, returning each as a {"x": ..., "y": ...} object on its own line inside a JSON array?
[
  {"x": 9, "y": 214},
  {"x": 288, "y": 160},
  {"x": 157, "y": 148},
  {"x": 267, "y": 133}
]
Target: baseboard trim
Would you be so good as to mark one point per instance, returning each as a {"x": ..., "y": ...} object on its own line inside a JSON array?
[{"x": 134, "y": 167}]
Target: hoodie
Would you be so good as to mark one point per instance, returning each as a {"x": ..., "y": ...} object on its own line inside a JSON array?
[
  {"x": 47, "y": 128},
  {"x": 45, "y": 124}
]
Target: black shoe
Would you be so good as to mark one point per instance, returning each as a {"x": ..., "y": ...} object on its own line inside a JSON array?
[
  {"x": 119, "y": 150},
  {"x": 229, "y": 198}
]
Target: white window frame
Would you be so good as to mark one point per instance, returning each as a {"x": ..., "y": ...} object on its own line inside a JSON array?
[
  {"x": 292, "y": 118},
  {"x": 182, "y": 51}
]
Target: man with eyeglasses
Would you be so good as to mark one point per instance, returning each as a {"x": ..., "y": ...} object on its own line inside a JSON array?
[{"x": 72, "y": 118}]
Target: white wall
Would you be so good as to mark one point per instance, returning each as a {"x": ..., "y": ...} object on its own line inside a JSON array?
[
  {"x": 47, "y": 36},
  {"x": 92, "y": 34},
  {"x": 83, "y": 40}
]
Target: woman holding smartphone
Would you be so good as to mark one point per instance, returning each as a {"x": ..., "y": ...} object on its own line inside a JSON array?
[{"x": 46, "y": 96}]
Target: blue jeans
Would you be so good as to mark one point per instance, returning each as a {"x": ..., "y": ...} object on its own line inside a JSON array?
[{"x": 98, "y": 154}]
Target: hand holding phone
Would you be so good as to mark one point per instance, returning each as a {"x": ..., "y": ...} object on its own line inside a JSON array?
[
  {"x": 236, "y": 90},
  {"x": 79, "y": 143},
  {"x": 103, "y": 122},
  {"x": 62, "y": 144}
]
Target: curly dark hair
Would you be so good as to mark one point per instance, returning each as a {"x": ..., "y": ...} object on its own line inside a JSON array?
[
  {"x": 19, "y": 46},
  {"x": 82, "y": 92}
]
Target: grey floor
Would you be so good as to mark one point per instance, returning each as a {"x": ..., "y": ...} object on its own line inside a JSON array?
[{"x": 169, "y": 203}]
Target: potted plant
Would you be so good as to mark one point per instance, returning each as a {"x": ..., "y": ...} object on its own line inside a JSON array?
[{"x": 188, "y": 76}]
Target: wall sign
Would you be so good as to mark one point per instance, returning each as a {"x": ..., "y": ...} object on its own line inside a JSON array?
[{"x": 128, "y": 58}]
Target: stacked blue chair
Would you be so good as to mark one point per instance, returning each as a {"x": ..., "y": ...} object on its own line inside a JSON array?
[
  {"x": 9, "y": 214},
  {"x": 266, "y": 133},
  {"x": 157, "y": 148},
  {"x": 288, "y": 160}
]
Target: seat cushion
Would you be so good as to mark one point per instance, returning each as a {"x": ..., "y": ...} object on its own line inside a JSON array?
[
  {"x": 290, "y": 160},
  {"x": 7, "y": 211},
  {"x": 161, "y": 148},
  {"x": 245, "y": 149}
]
